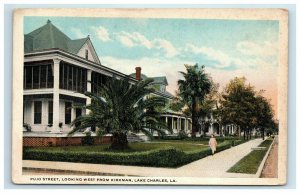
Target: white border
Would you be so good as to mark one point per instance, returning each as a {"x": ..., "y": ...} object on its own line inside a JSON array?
[{"x": 144, "y": 189}]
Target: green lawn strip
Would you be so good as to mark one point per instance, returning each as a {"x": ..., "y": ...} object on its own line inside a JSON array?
[
  {"x": 200, "y": 140},
  {"x": 141, "y": 154},
  {"x": 134, "y": 147},
  {"x": 250, "y": 163}
]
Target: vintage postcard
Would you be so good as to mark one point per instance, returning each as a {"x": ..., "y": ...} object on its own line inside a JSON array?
[{"x": 150, "y": 96}]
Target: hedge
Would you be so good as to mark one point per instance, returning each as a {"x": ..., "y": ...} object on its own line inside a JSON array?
[
  {"x": 206, "y": 138},
  {"x": 167, "y": 157}
]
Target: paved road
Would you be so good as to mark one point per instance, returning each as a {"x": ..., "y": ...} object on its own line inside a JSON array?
[
  {"x": 211, "y": 166},
  {"x": 270, "y": 168}
]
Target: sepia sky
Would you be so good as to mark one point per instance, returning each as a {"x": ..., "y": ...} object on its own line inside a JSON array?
[{"x": 227, "y": 48}]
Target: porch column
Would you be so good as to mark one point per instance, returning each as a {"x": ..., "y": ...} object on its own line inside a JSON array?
[
  {"x": 89, "y": 88},
  {"x": 172, "y": 123},
  {"x": 211, "y": 130},
  {"x": 55, "y": 67}
]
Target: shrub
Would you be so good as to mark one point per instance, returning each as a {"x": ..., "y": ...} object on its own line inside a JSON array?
[
  {"x": 166, "y": 157},
  {"x": 88, "y": 139},
  {"x": 172, "y": 138},
  {"x": 182, "y": 134}
]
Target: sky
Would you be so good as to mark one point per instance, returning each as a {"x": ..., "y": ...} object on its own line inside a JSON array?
[{"x": 161, "y": 47}]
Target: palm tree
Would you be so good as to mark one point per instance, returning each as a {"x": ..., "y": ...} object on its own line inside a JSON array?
[
  {"x": 193, "y": 89},
  {"x": 120, "y": 107}
]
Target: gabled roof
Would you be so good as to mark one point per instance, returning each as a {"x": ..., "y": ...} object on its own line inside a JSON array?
[
  {"x": 160, "y": 80},
  {"x": 75, "y": 45},
  {"x": 49, "y": 37}
]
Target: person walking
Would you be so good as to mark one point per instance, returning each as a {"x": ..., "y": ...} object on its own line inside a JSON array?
[{"x": 213, "y": 144}]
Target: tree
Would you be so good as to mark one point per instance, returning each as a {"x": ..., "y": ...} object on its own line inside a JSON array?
[
  {"x": 120, "y": 107},
  {"x": 238, "y": 105},
  {"x": 193, "y": 89},
  {"x": 264, "y": 115}
]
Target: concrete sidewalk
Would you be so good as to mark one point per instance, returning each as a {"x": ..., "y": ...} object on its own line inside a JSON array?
[{"x": 211, "y": 166}]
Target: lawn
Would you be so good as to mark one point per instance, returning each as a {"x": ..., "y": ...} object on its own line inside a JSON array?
[
  {"x": 251, "y": 162},
  {"x": 156, "y": 154},
  {"x": 199, "y": 140},
  {"x": 134, "y": 147}
]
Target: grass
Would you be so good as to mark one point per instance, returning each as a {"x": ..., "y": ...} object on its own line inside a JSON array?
[
  {"x": 199, "y": 140},
  {"x": 141, "y": 154},
  {"x": 251, "y": 162},
  {"x": 134, "y": 147},
  {"x": 156, "y": 154}
]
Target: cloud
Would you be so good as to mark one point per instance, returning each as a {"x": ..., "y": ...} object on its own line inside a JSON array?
[
  {"x": 142, "y": 40},
  {"x": 265, "y": 49},
  {"x": 219, "y": 56},
  {"x": 101, "y": 33},
  {"x": 78, "y": 33},
  {"x": 151, "y": 67},
  {"x": 136, "y": 39},
  {"x": 125, "y": 40},
  {"x": 222, "y": 60},
  {"x": 133, "y": 39},
  {"x": 262, "y": 77},
  {"x": 257, "y": 59},
  {"x": 170, "y": 50}
]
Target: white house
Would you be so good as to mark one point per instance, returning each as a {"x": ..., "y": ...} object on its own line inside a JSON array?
[{"x": 57, "y": 70}]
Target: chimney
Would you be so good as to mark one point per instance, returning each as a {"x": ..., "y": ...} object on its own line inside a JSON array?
[{"x": 138, "y": 73}]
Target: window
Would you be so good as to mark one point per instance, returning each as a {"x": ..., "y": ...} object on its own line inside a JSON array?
[
  {"x": 38, "y": 76},
  {"x": 50, "y": 112},
  {"x": 70, "y": 79},
  {"x": 49, "y": 76},
  {"x": 28, "y": 77},
  {"x": 37, "y": 112},
  {"x": 98, "y": 80},
  {"x": 73, "y": 78},
  {"x": 84, "y": 80},
  {"x": 86, "y": 54},
  {"x": 68, "y": 112},
  {"x": 78, "y": 114},
  {"x": 43, "y": 79}
]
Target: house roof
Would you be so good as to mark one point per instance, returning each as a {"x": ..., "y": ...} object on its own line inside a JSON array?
[
  {"x": 157, "y": 80},
  {"x": 75, "y": 45},
  {"x": 49, "y": 37},
  {"x": 160, "y": 80},
  {"x": 143, "y": 76}
]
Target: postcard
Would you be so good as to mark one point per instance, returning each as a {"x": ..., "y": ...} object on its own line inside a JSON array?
[{"x": 150, "y": 96}]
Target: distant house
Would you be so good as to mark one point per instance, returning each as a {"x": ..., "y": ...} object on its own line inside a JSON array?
[{"x": 174, "y": 120}]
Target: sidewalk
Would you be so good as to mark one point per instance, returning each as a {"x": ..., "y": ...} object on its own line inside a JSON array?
[{"x": 211, "y": 166}]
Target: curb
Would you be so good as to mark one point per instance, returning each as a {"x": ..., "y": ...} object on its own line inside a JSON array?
[{"x": 262, "y": 164}]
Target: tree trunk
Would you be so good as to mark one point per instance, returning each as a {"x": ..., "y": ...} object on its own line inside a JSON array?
[
  {"x": 263, "y": 133},
  {"x": 194, "y": 119},
  {"x": 119, "y": 141},
  {"x": 250, "y": 131},
  {"x": 244, "y": 134}
]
